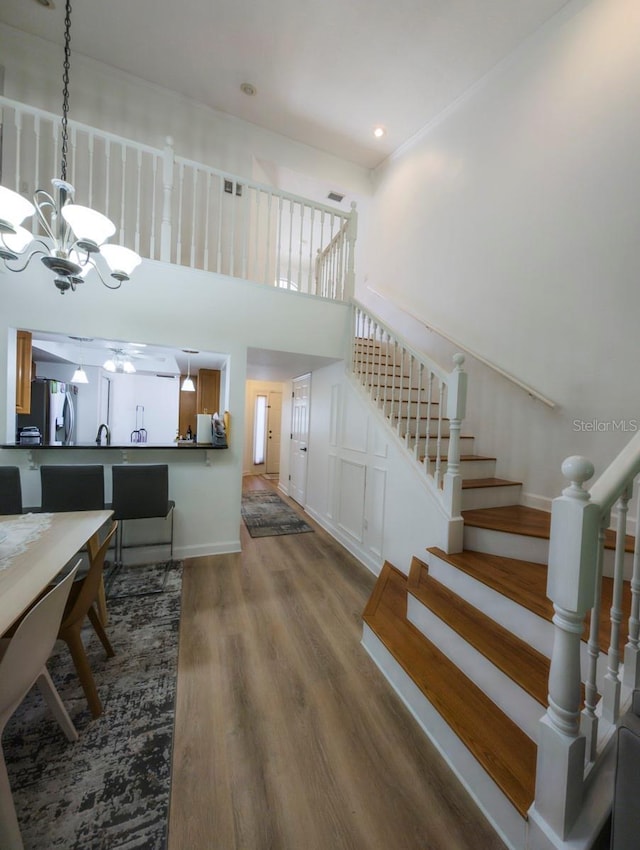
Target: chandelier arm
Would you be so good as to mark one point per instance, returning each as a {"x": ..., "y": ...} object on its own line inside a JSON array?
[
  {"x": 43, "y": 204},
  {"x": 44, "y": 251},
  {"x": 102, "y": 278}
]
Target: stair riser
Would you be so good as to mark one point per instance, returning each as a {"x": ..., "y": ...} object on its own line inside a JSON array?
[
  {"x": 433, "y": 429},
  {"x": 534, "y": 630},
  {"x": 526, "y": 625},
  {"x": 395, "y": 395},
  {"x": 504, "y": 692},
  {"x": 491, "y": 497},
  {"x": 499, "y": 811},
  {"x": 469, "y": 468},
  {"x": 466, "y": 445},
  {"x": 527, "y": 548}
]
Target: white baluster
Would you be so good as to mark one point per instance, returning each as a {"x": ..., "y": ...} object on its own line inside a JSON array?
[
  {"x": 352, "y": 235},
  {"x": 589, "y": 719},
  {"x": 244, "y": 232},
  {"x": 194, "y": 194},
  {"x": 398, "y": 419},
  {"x": 180, "y": 197},
  {"x": 138, "y": 202},
  {"x": 456, "y": 411},
  {"x": 437, "y": 473},
  {"x": 267, "y": 252},
  {"x": 407, "y": 433},
  {"x": 310, "y": 280},
  {"x": 74, "y": 148},
  {"x": 232, "y": 238},
  {"x": 290, "y": 243},
  {"x": 611, "y": 695},
  {"x": 416, "y": 447},
  {"x": 632, "y": 649},
  {"x": 207, "y": 213},
  {"x": 154, "y": 193},
  {"x": 220, "y": 215},
  {"x": 17, "y": 117},
  {"x": 167, "y": 190},
  {"x": 279, "y": 249},
  {"x": 123, "y": 190},
  {"x": 575, "y": 523},
  {"x": 91, "y": 145},
  {"x": 107, "y": 176},
  {"x": 428, "y": 429}
]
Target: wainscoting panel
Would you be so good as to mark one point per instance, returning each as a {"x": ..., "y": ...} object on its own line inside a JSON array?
[
  {"x": 331, "y": 486},
  {"x": 375, "y": 502},
  {"x": 334, "y": 415},
  {"x": 353, "y": 477},
  {"x": 355, "y": 425}
]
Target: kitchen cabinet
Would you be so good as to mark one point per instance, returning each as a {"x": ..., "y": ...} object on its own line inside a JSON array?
[
  {"x": 23, "y": 372},
  {"x": 208, "y": 391}
]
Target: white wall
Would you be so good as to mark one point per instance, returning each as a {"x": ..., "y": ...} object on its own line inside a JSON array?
[
  {"x": 157, "y": 400},
  {"x": 512, "y": 223},
  {"x": 360, "y": 486},
  {"x": 219, "y": 313}
]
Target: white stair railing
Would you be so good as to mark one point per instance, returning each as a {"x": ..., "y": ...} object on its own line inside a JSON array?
[
  {"x": 572, "y": 742},
  {"x": 176, "y": 210},
  {"x": 421, "y": 401}
]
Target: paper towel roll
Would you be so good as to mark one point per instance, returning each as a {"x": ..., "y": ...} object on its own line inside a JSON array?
[{"x": 203, "y": 428}]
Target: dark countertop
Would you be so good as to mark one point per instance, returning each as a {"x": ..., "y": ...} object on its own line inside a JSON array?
[{"x": 182, "y": 444}]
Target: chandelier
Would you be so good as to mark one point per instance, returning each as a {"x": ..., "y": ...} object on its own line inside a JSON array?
[{"x": 75, "y": 236}]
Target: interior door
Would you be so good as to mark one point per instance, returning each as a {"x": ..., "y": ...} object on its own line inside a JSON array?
[
  {"x": 301, "y": 398},
  {"x": 274, "y": 415}
]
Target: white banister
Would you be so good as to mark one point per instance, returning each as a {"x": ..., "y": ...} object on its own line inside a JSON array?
[
  {"x": 408, "y": 388},
  {"x": 571, "y": 745},
  {"x": 215, "y": 221}
]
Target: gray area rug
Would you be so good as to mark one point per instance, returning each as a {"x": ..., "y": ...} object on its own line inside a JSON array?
[
  {"x": 266, "y": 515},
  {"x": 110, "y": 789}
]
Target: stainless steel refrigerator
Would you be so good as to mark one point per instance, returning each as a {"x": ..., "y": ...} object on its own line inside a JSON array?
[{"x": 53, "y": 412}]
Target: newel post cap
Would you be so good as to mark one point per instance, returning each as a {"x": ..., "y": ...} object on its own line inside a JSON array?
[{"x": 577, "y": 470}]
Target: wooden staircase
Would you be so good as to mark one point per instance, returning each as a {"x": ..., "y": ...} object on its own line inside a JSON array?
[{"x": 466, "y": 638}]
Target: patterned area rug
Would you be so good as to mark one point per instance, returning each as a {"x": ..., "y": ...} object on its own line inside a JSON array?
[
  {"x": 110, "y": 789},
  {"x": 266, "y": 515}
]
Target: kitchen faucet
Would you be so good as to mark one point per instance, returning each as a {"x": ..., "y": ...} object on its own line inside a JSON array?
[{"x": 99, "y": 434}]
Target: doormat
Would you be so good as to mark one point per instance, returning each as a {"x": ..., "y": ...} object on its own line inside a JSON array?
[
  {"x": 111, "y": 787},
  {"x": 266, "y": 515}
]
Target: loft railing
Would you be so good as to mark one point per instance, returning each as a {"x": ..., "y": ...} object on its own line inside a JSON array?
[
  {"x": 421, "y": 401},
  {"x": 176, "y": 210},
  {"x": 572, "y": 742}
]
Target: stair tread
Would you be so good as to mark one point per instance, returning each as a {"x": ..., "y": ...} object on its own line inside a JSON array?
[
  {"x": 531, "y": 522},
  {"x": 515, "y": 658},
  {"x": 503, "y": 750},
  {"x": 470, "y": 483},
  {"x": 525, "y": 583},
  {"x": 462, "y": 457}
]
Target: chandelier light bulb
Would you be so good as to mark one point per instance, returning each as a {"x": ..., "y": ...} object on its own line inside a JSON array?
[
  {"x": 13, "y": 210},
  {"x": 91, "y": 228},
  {"x": 13, "y": 244},
  {"x": 121, "y": 261}
]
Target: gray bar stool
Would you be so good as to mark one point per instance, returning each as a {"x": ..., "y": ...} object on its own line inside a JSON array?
[
  {"x": 141, "y": 491},
  {"x": 72, "y": 488},
  {"x": 10, "y": 490}
]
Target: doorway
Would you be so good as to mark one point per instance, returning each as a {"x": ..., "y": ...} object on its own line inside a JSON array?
[{"x": 300, "y": 401}]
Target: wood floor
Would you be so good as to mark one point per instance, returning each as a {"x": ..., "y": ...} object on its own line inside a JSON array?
[{"x": 287, "y": 736}]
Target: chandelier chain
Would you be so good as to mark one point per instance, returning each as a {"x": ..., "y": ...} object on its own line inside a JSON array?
[{"x": 65, "y": 89}]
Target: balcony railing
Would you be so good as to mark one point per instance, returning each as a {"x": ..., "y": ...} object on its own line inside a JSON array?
[{"x": 176, "y": 210}]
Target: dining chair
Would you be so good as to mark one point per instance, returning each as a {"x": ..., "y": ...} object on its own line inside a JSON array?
[
  {"x": 72, "y": 487},
  {"x": 23, "y": 661},
  {"x": 81, "y": 604},
  {"x": 10, "y": 490},
  {"x": 141, "y": 491}
]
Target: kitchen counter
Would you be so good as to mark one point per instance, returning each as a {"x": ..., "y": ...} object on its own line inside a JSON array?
[{"x": 181, "y": 444}]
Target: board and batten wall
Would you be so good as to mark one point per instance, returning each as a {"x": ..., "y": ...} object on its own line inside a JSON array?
[
  {"x": 360, "y": 486},
  {"x": 514, "y": 221}
]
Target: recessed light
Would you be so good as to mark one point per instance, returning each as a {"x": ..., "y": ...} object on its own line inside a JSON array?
[
  {"x": 379, "y": 132},
  {"x": 248, "y": 89}
]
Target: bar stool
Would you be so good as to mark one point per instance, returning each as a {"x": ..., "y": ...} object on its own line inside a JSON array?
[
  {"x": 141, "y": 491},
  {"x": 10, "y": 490},
  {"x": 72, "y": 488}
]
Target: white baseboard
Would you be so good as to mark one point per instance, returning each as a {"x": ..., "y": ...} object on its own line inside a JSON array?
[{"x": 371, "y": 563}]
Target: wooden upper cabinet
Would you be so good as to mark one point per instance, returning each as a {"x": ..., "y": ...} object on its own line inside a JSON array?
[
  {"x": 23, "y": 372},
  {"x": 208, "y": 395}
]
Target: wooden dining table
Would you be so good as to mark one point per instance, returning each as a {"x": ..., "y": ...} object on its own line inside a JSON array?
[{"x": 56, "y": 539}]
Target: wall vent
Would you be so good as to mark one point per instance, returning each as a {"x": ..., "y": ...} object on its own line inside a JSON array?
[{"x": 335, "y": 196}]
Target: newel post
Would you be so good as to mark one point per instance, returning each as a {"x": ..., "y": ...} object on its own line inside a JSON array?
[
  {"x": 352, "y": 235},
  {"x": 575, "y": 522},
  {"x": 452, "y": 482},
  {"x": 167, "y": 188}
]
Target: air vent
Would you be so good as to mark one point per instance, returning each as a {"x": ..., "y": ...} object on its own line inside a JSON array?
[
  {"x": 171, "y": 377},
  {"x": 336, "y": 197}
]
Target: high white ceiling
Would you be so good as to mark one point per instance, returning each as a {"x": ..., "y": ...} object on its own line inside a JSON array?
[{"x": 325, "y": 72}]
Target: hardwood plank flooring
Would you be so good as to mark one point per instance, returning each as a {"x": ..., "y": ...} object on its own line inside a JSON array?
[{"x": 287, "y": 735}]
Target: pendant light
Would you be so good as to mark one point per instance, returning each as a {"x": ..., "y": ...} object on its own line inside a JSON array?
[
  {"x": 80, "y": 376},
  {"x": 187, "y": 385}
]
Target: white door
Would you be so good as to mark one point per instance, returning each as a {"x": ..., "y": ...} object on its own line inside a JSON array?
[
  {"x": 274, "y": 413},
  {"x": 301, "y": 397}
]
